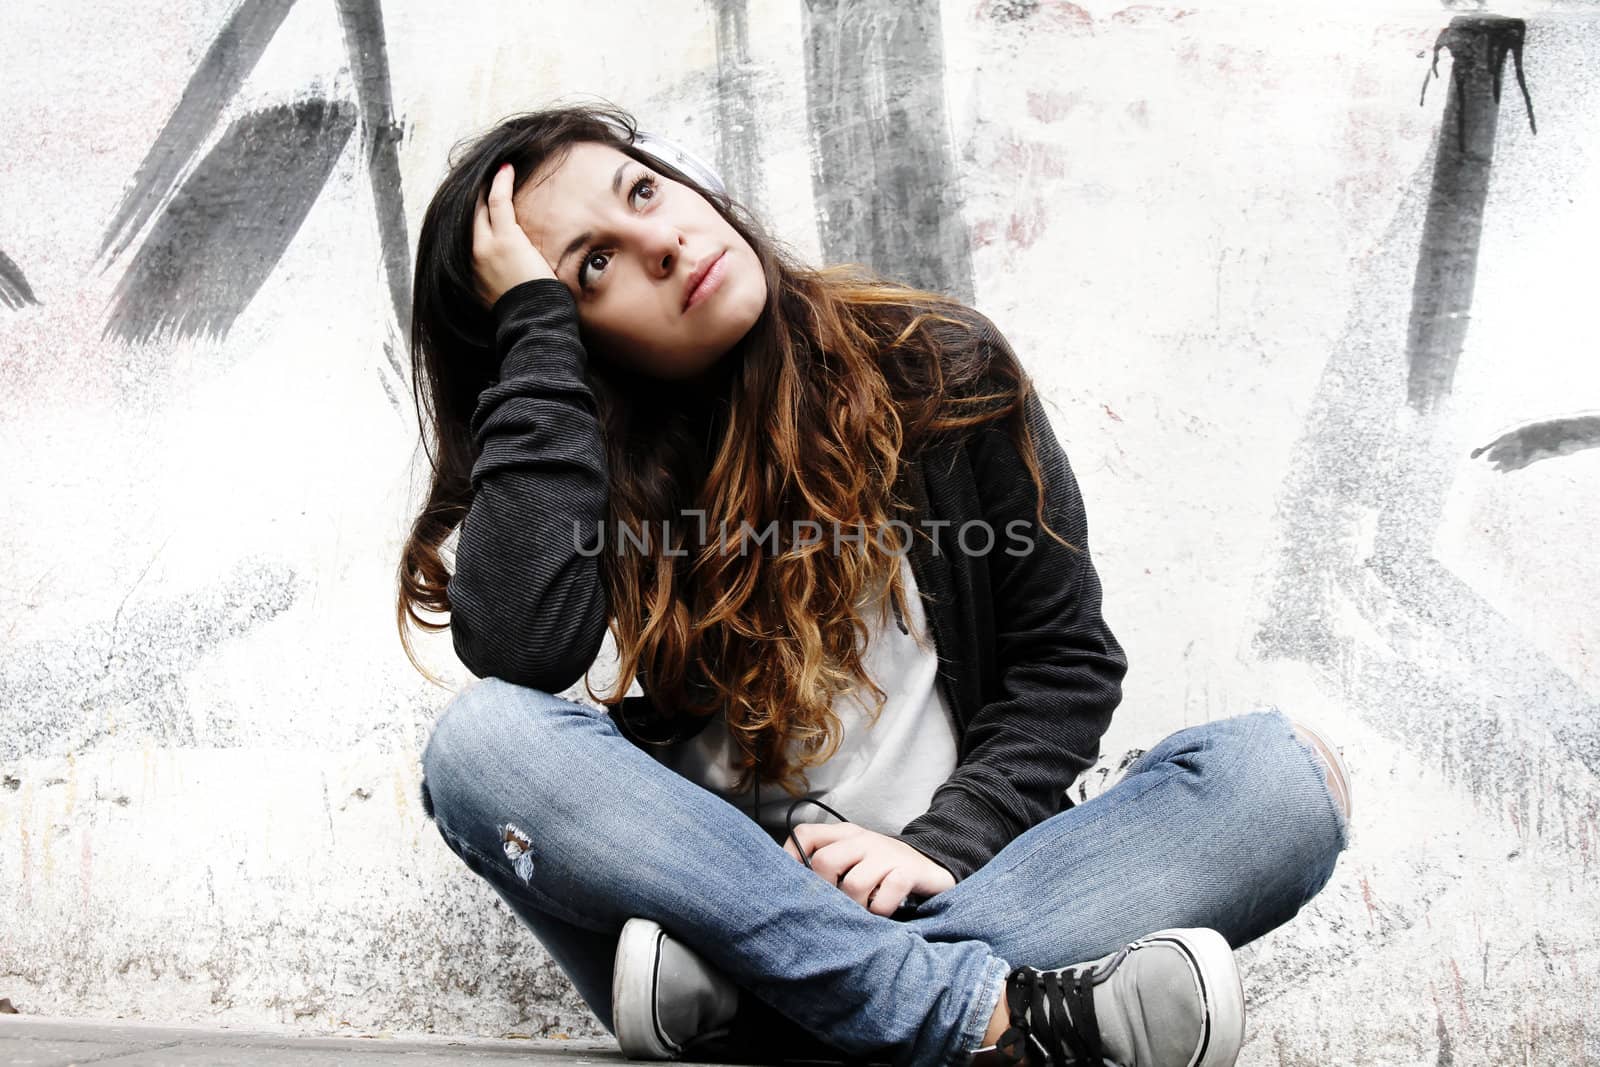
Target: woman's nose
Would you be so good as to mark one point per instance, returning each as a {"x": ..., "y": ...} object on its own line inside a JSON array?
[{"x": 663, "y": 246}]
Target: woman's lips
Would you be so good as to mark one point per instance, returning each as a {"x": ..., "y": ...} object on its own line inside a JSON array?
[{"x": 709, "y": 283}]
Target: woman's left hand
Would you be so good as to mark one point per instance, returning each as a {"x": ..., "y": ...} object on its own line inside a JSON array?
[{"x": 873, "y": 869}]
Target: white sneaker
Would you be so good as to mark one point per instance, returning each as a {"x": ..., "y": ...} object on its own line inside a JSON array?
[
  {"x": 664, "y": 996},
  {"x": 1172, "y": 999}
]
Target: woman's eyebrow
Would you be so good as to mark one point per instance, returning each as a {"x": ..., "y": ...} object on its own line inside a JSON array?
[{"x": 583, "y": 238}]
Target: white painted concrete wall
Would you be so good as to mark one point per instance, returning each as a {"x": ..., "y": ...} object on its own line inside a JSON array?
[{"x": 1200, "y": 228}]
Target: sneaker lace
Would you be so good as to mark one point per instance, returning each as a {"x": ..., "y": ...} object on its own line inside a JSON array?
[{"x": 1052, "y": 1016}]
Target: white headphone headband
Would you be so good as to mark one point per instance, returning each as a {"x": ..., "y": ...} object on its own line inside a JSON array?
[{"x": 676, "y": 155}]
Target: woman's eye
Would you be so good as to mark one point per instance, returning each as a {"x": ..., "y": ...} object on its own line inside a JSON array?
[{"x": 644, "y": 181}]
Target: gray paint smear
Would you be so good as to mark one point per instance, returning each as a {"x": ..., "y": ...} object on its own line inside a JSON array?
[
  {"x": 221, "y": 235},
  {"x": 362, "y": 21},
  {"x": 224, "y": 68},
  {"x": 126, "y": 674},
  {"x": 1442, "y": 293},
  {"x": 1518, "y": 448},
  {"x": 383, "y": 380},
  {"x": 14, "y": 289},
  {"x": 887, "y": 184},
  {"x": 1435, "y": 667},
  {"x": 739, "y": 148}
]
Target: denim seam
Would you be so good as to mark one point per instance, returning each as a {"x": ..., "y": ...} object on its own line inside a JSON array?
[{"x": 991, "y": 988}]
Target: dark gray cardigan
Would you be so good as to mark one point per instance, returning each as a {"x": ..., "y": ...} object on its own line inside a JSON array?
[{"x": 1028, "y": 666}]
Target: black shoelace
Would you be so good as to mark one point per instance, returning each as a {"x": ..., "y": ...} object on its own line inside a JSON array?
[{"x": 1052, "y": 1016}]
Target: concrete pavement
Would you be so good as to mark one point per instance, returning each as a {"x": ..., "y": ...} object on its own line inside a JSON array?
[{"x": 29, "y": 1041}]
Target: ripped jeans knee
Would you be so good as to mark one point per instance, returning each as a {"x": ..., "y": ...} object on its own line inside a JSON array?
[{"x": 497, "y": 781}]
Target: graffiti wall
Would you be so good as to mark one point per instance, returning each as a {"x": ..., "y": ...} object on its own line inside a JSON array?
[{"x": 1309, "y": 295}]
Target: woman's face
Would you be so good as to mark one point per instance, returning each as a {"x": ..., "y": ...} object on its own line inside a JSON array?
[{"x": 627, "y": 242}]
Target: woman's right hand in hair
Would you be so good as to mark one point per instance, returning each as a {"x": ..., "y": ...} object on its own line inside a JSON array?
[{"x": 502, "y": 255}]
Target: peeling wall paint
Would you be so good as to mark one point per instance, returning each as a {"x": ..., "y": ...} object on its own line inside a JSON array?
[{"x": 1321, "y": 353}]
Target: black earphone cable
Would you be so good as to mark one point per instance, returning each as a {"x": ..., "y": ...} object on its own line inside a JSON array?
[{"x": 912, "y": 900}]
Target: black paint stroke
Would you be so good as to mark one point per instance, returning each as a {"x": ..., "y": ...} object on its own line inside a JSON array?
[
  {"x": 221, "y": 72},
  {"x": 1433, "y": 666},
  {"x": 362, "y": 22},
  {"x": 739, "y": 149},
  {"x": 227, "y": 227},
  {"x": 1504, "y": 36},
  {"x": 15, "y": 292},
  {"x": 1547, "y": 439},
  {"x": 885, "y": 174},
  {"x": 1447, "y": 267}
]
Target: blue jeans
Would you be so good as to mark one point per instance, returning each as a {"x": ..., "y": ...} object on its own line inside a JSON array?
[{"x": 1228, "y": 825}]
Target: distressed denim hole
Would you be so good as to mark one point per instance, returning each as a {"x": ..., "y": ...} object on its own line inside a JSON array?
[{"x": 518, "y": 847}]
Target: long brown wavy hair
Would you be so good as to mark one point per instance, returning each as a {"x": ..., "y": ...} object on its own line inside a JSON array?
[{"x": 807, "y": 418}]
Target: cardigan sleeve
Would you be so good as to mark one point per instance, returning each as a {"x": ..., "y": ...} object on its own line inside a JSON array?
[
  {"x": 1059, "y": 668},
  {"x": 527, "y": 603}
]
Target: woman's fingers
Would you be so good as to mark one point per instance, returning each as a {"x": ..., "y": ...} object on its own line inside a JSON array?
[
  {"x": 859, "y": 875},
  {"x": 890, "y": 894},
  {"x": 839, "y": 861},
  {"x": 481, "y": 234},
  {"x": 843, "y": 854},
  {"x": 502, "y": 254},
  {"x": 482, "y": 247},
  {"x": 501, "y": 214},
  {"x": 480, "y": 221}
]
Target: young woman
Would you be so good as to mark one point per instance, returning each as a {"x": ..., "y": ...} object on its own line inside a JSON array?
[{"x": 651, "y": 420}]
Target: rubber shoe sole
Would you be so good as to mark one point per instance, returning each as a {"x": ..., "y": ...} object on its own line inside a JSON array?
[
  {"x": 633, "y": 993},
  {"x": 1217, "y": 973}
]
